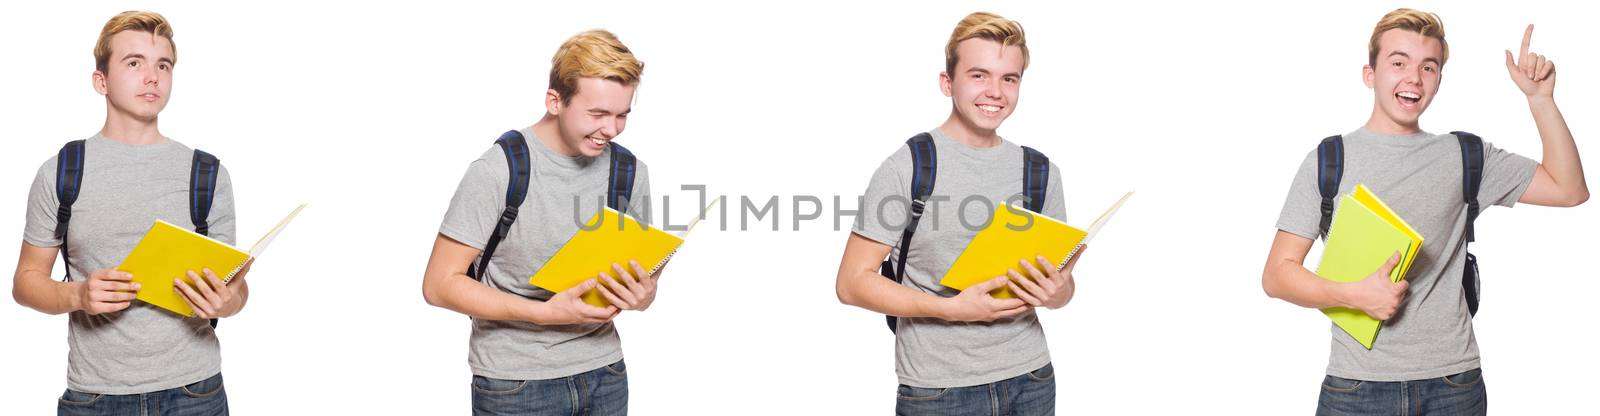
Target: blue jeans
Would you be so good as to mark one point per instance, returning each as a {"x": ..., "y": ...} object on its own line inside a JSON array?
[
  {"x": 1455, "y": 394},
  {"x": 602, "y": 391},
  {"x": 203, "y": 398},
  {"x": 1025, "y": 395}
]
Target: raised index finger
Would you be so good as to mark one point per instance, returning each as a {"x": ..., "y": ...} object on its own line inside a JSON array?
[{"x": 1527, "y": 37}]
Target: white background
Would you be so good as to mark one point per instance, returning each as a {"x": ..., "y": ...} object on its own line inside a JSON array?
[{"x": 371, "y": 113}]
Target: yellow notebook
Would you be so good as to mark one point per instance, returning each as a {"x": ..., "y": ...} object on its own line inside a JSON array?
[
  {"x": 1371, "y": 201},
  {"x": 1364, "y": 234},
  {"x": 594, "y": 248},
  {"x": 997, "y": 248},
  {"x": 168, "y": 251}
]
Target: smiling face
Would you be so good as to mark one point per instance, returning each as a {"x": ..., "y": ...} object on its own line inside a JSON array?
[
  {"x": 137, "y": 80},
  {"x": 1404, "y": 77},
  {"x": 984, "y": 85},
  {"x": 594, "y": 115}
]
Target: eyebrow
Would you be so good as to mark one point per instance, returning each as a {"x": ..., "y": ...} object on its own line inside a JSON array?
[
  {"x": 605, "y": 111},
  {"x": 986, "y": 71},
  {"x": 1430, "y": 59},
  {"x": 164, "y": 60}
]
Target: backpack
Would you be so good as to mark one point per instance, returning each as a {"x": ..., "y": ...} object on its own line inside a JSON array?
[
  {"x": 1330, "y": 167},
  {"x": 924, "y": 170},
  {"x": 619, "y": 190},
  {"x": 203, "y": 171}
]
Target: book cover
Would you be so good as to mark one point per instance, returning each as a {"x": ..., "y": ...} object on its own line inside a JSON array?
[{"x": 1359, "y": 241}]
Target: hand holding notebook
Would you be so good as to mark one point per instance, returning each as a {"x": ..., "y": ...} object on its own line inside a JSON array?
[
  {"x": 1015, "y": 235},
  {"x": 1046, "y": 287},
  {"x": 1376, "y": 295},
  {"x": 629, "y": 287},
  {"x": 568, "y": 307},
  {"x": 610, "y": 240},
  {"x": 1365, "y": 236},
  {"x": 209, "y": 296},
  {"x": 168, "y": 253},
  {"x": 974, "y": 304}
]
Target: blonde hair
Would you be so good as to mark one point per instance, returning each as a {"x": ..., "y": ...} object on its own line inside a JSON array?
[
  {"x": 594, "y": 54},
  {"x": 987, "y": 26},
  {"x": 1420, "y": 22},
  {"x": 135, "y": 20}
]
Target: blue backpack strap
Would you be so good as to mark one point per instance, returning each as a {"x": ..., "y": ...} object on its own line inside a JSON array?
[
  {"x": 619, "y": 189},
  {"x": 1471, "y": 175},
  {"x": 1330, "y": 169},
  {"x": 1035, "y": 177},
  {"x": 520, "y": 167},
  {"x": 69, "y": 179},
  {"x": 1471, "y": 180},
  {"x": 924, "y": 172},
  {"x": 202, "y": 192},
  {"x": 202, "y": 189}
]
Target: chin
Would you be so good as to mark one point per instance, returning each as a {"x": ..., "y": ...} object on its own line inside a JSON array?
[
  {"x": 986, "y": 123},
  {"x": 147, "y": 117},
  {"x": 1405, "y": 118}
]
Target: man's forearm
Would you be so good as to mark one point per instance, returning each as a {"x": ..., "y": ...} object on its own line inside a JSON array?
[
  {"x": 460, "y": 293},
  {"x": 877, "y": 294},
  {"x": 1291, "y": 282},
  {"x": 1560, "y": 150},
  {"x": 36, "y": 290}
]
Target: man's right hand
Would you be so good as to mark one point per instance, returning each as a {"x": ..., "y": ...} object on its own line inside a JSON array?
[
  {"x": 567, "y": 308},
  {"x": 1377, "y": 295},
  {"x": 107, "y": 290},
  {"x": 974, "y": 304}
]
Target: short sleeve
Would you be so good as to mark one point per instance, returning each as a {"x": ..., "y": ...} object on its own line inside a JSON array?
[
  {"x": 40, "y": 229},
  {"x": 222, "y": 222},
  {"x": 475, "y": 209},
  {"x": 885, "y": 207},
  {"x": 1506, "y": 176},
  {"x": 1302, "y": 207},
  {"x": 1055, "y": 204}
]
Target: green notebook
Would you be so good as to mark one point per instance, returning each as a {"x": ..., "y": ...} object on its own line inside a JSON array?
[{"x": 1359, "y": 241}]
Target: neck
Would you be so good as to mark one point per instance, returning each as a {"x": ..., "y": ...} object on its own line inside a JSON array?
[
  {"x": 549, "y": 131},
  {"x": 1381, "y": 123},
  {"x": 968, "y": 134},
  {"x": 131, "y": 130}
]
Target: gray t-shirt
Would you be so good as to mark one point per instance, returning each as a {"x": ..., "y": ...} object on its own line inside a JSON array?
[
  {"x": 1419, "y": 177},
  {"x": 971, "y": 183},
  {"x": 125, "y": 189},
  {"x": 558, "y": 185}
]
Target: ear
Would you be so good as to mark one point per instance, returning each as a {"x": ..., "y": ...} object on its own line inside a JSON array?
[
  {"x": 99, "y": 80},
  {"x": 1368, "y": 76},
  {"x": 552, "y": 102},
  {"x": 944, "y": 83}
]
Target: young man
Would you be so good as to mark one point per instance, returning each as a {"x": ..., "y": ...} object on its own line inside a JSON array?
[
  {"x": 128, "y": 357},
  {"x": 1425, "y": 361},
  {"x": 533, "y": 351},
  {"x": 961, "y": 352}
]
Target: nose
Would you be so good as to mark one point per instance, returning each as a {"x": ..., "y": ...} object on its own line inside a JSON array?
[
  {"x": 991, "y": 88},
  {"x": 1414, "y": 76},
  {"x": 612, "y": 128},
  {"x": 149, "y": 74}
]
